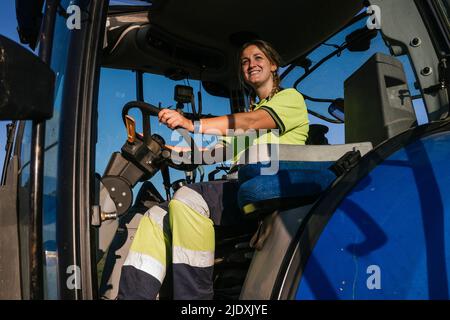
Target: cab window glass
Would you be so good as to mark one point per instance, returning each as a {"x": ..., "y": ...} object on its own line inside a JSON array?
[
  {"x": 159, "y": 90},
  {"x": 58, "y": 65},
  {"x": 24, "y": 201},
  {"x": 59, "y": 62},
  {"x": 327, "y": 82},
  {"x": 117, "y": 87}
]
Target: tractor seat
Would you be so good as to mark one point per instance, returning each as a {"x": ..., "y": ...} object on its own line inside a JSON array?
[
  {"x": 299, "y": 175},
  {"x": 296, "y": 183}
]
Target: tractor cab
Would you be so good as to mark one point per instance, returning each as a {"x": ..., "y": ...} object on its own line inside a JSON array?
[
  {"x": 78, "y": 180},
  {"x": 166, "y": 45}
]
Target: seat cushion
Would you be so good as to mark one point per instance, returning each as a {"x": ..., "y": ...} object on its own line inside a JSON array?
[{"x": 293, "y": 181}]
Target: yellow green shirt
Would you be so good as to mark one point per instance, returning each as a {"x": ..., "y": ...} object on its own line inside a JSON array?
[{"x": 288, "y": 110}]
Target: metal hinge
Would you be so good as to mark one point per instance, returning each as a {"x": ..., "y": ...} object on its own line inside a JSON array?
[
  {"x": 346, "y": 162},
  {"x": 443, "y": 78}
]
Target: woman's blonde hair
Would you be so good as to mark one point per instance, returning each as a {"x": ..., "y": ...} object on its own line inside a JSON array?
[{"x": 273, "y": 57}]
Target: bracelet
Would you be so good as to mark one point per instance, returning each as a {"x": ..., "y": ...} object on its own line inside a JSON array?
[{"x": 197, "y": 126}]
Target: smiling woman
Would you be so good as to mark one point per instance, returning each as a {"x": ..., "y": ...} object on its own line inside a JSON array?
[
  {"x": 260, "y": 63},
  {"x": 196, "y": 208}
]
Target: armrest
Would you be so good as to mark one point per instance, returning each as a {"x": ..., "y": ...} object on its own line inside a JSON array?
[{"x": 292, "y": 152}]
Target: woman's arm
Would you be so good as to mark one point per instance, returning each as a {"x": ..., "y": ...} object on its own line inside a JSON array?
[{"x": 259, "y": 119}]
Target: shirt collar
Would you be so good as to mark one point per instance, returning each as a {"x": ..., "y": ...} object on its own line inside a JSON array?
[{"x": 254, "y": 105}]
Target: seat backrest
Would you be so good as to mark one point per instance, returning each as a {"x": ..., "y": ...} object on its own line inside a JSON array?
[{"x": 317, "y": 134}]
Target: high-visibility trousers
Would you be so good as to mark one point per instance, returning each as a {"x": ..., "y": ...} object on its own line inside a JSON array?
[{"x": 180, "y": 232}]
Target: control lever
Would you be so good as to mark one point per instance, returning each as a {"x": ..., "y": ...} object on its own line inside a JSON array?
[{"x": 131, "y": 129}]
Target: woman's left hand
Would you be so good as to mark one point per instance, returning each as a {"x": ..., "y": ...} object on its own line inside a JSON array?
[{"x": 173, "y": 119}]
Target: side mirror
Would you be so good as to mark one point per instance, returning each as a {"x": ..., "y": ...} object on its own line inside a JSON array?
[
  {"x": 26, "y": 84},
  {"x": 336, "y": 109}
]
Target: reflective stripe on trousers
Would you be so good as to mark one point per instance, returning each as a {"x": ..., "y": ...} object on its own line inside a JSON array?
[{"x": 187, "y": 240}]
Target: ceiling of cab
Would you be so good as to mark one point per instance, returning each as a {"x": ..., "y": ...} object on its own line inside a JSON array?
[{"x": 182, "y": 36}]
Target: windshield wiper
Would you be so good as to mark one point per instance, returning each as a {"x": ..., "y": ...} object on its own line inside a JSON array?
[{"x": 10, "y": 129}]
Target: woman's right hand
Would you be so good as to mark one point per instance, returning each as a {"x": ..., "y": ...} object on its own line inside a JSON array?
[{"x": 173, "y": 119}]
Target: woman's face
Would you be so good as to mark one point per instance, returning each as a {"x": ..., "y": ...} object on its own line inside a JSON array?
[{"x": 256, "y": 67}]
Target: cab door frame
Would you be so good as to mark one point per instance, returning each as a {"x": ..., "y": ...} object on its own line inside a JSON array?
[{"x": 76, "y": 155}]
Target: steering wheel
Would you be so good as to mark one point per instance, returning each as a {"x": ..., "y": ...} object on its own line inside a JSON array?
[{"x": 148, "y": 110}]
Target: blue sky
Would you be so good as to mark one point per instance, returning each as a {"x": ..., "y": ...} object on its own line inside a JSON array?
[{"x": 117, "y": 88}]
